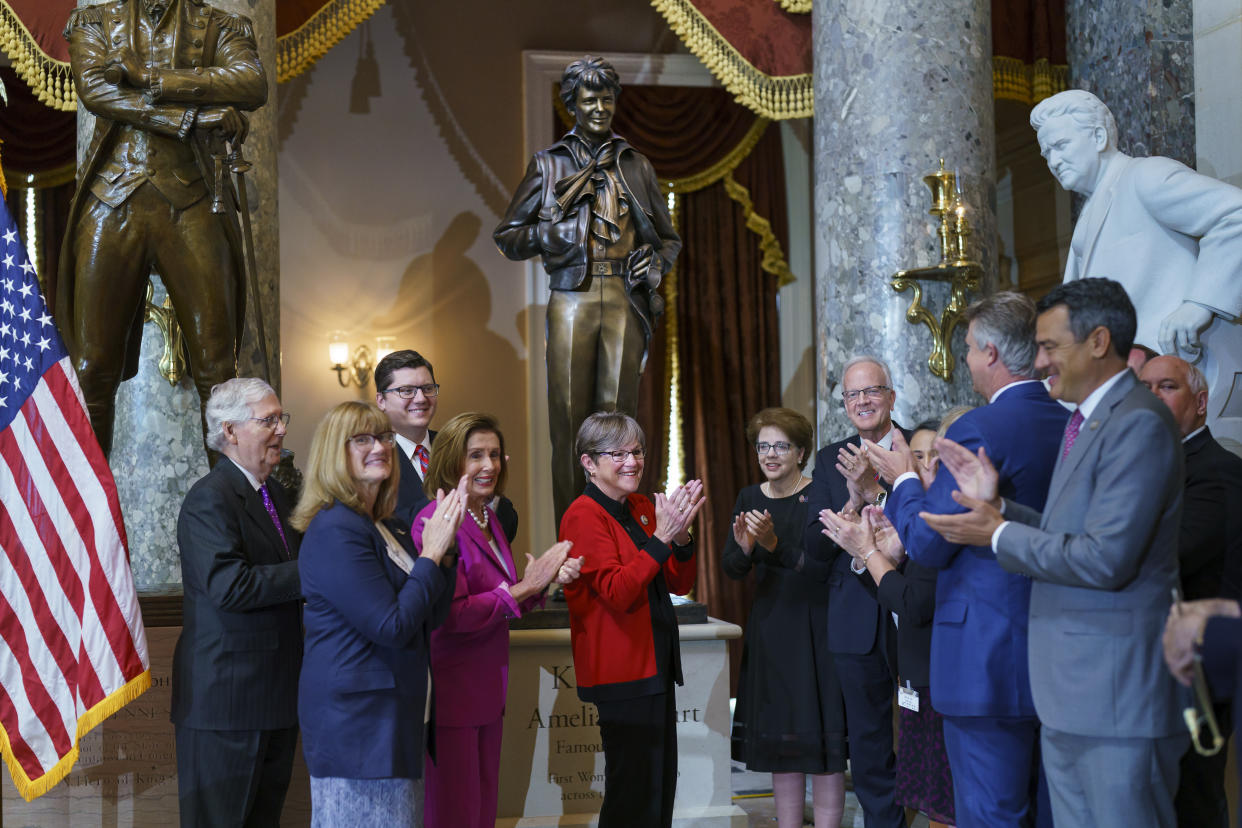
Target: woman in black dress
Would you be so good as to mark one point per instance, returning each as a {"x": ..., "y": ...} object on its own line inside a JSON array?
[{"x": 790, "y": 718}]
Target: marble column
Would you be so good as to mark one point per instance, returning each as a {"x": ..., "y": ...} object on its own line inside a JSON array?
[
  {"x": 898, "y": 86},
  {"x": 157, "y": 449},
  {"x": 1138, "y": 57}
]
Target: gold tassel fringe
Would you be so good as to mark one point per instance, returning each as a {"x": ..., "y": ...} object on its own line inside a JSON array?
[
  {"x": 50, "y": 79},
  {"x": 773, "y": 257},
  {"x": 796, "y": 6},
  {"x": 778, "y": 98},
  {"x": 30, "y": 789},
  {"x": 1027, "y": 83},
  {"x": 297, "y": 51}
]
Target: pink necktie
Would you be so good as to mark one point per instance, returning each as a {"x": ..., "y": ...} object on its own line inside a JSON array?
[
  {"x": 271, "y": 512},
  {"x": 421, "y": 453},
  {"x": 1071, "y": 432}
]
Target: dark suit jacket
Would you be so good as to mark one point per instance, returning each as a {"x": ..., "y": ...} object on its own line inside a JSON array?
[
  {"x": 237, "y": 660},
  {"x": 909, "y": 591},
  {"x": 363, "y": 692},
  {"x": 1222, "y": 666},
  {"x": 855, "y": 620},
  {"x": 1209, "y": 545},
  {"x": 979, "y": 663},
  {"x": 411, "y": 497}
]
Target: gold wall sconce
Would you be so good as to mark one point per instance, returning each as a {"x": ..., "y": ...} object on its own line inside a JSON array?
[
  {"x": 955, "y": 268},
  {"x": 354, "y": 367}
]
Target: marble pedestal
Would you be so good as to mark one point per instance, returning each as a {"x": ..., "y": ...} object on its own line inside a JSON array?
[
  {"x": 126, "y": 776},
  {"x": 551, "y": 761}
]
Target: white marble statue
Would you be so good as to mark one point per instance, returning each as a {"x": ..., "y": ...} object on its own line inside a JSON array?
[{"x": 1171, "y": 236}]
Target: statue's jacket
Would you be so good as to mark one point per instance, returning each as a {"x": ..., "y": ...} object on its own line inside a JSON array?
[
  {"x": 203, "y": 57},
  {"x": 531, "y": 225}
]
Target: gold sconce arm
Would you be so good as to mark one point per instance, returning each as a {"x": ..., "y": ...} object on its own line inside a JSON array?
[
  {"x": 358, "y": 370},
  {"x": 962, "y": 276},
  {"x": 172, "y": 360}
]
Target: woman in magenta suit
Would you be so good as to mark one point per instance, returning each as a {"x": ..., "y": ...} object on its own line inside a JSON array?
[{"x": 470, "y": 651}]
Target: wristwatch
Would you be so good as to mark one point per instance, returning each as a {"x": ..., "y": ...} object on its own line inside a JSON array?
[{"x": 880, "y": 499}]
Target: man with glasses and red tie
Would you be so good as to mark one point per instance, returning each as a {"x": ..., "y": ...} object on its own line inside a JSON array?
[
  {"x": 406, "y": 390},
  {"x": 235, "y": 669}
]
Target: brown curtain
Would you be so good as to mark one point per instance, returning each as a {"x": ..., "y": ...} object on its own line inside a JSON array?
[{"x": 729, "y": 349}]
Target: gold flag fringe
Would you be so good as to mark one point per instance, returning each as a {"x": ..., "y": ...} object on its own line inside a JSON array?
[
  {"x": 1027, "y": 83},
  {"x": 4, "y": 187},
  {"x": 778, "y": 98},
  {"x": 796, "y": 6},
  {"x": 32, "y": 788},
  {"x": 297, "y": 51},
  {"x": 50, "y": 79}
]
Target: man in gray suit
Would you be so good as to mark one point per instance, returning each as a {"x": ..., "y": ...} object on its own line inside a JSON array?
[{"x": 1103, "y": 557}]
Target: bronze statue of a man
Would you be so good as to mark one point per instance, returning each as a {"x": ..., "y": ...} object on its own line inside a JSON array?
[
  {"x": 167, "y": 80},
  {"x": 591, "y": 207}
]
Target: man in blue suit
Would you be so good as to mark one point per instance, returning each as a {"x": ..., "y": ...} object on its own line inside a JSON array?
[{"x": 980, "y": 681}]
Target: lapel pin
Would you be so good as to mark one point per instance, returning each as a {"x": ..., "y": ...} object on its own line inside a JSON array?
[
  {"x": 644, "y": 520},
  {"x": 1095, "y": 424}
]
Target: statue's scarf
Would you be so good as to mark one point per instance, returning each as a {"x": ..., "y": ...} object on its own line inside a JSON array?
[{"x": 596, "y": 180}]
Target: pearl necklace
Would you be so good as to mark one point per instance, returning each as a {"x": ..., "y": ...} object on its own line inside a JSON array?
[
  {"x": 481, "y": 523},
  {"x": 772, "y": 488}
]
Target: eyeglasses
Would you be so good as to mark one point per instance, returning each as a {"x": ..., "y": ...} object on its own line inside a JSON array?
[
  {"x": 270, "y": 422},
  {"x": 407, "y": 392},
  {"x": 367, "y": 441},
  {"x": 621, "y": 455},
  {"x": 782, "y": 448},
  {"x": 871, "y": 392}
]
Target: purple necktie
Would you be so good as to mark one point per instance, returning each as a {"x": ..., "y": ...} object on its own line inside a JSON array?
[
  {"x": 271, "y": 512},
  {"x": 1071, "y": 432}
]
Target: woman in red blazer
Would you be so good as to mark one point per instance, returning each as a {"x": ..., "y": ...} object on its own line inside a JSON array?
[
  {"x": 470, "y": 651},
  {"x": 623, "y": 629}
]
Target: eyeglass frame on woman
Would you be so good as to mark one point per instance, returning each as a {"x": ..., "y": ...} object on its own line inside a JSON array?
[
  {"x": 780, "y": 446},
  {"x": 270, "y": 422},
  {"x": 388, "y": 438},
  {"x": 409, "y": 392},
  {"x": 871, "y": 392},
  {"x": 638, "y": 454}
]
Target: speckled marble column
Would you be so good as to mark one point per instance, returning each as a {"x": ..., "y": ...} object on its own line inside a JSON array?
[
  {"x": 1138, "y": 57},
  {"x": 898, "y": 86},
  {"x": 157, "y": 448}
]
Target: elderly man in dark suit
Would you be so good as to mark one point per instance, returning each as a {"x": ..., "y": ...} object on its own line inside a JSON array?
[
  {"x": 860, "y": 634},
  {"x": 1103, "y": 558},
  {"x": 980, "y": 679},
  {"x": 590, "y": 205},
  {"x": 235, "y": 670},
  {"x": 168, "y": 79},
  {"x": 1209, "y": 544},
  {"x": 406, "y": 390}
]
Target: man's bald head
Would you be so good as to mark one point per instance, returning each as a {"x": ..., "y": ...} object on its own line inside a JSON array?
[{"x": 1181, "y": 386}]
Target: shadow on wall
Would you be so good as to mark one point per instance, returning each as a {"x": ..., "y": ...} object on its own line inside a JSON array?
[{"x": 442, "y": 309}]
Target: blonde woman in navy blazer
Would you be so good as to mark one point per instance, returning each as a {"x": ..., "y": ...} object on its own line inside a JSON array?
[
  {"x": 470, "y": 652},
  {"x": 371, "y": 603}
]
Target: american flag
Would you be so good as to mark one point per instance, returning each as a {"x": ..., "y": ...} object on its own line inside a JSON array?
[{"x": 72, "y": 646}]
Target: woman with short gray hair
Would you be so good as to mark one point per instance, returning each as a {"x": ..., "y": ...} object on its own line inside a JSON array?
[{"x": 623, "y": 630}]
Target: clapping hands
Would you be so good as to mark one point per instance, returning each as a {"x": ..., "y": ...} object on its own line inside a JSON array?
[{"x": 676, "y": 511}]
